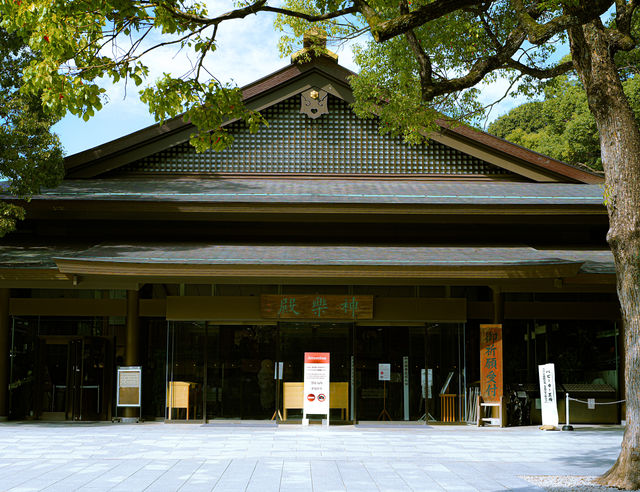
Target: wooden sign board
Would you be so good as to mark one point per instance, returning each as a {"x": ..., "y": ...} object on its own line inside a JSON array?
[
  {"x": 316, "y": 306},
  {"x": 491, "y": 385},
  {"x": 129, "y": 389}
]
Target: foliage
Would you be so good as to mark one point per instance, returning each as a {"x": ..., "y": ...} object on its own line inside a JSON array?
[
  {"x": 31, "y": 155},
  {"x": 434, "y": 55},
  {"x": 561, "y": 126}
]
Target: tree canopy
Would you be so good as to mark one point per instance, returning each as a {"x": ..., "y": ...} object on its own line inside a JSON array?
[
  {"x": 31, "y": 155},
  {"x": 560, "y": 125},
  {"x": 434, "y": 54}
]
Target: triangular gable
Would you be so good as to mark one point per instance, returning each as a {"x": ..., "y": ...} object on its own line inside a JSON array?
[{"x": 337, "y": 143}]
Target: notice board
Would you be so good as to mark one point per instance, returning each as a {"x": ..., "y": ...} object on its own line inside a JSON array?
[
  {"x": 491, "y": 387},
  {"x": 129, "y": 391},
  {"x": 316, "y": 383}
]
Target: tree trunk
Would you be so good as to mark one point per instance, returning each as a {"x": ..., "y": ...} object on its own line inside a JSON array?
[{"x": 620, "y": 147}]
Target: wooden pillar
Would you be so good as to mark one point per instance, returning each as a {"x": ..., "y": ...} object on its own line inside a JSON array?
[
  {"x": 132, "y": 345},
  {"x": 498, "y": 305},
  {"x": 4, "y": 353}
]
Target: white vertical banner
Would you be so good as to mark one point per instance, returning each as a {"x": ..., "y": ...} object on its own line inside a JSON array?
[
  {"x": 548, "y": 401},
  {"x": 405, "y": 385},
  {"x": 316, "y": 384}
]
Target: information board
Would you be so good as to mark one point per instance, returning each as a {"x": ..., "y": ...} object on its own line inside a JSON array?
[
  {"x": 129, "y": 389},
  {"x": 316, "y": 384}
]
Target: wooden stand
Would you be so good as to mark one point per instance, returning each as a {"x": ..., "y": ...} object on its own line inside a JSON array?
[
  {"x": 384, "y": 415},
  {"x": 178, "y": 396},
  {"x": 448, "y": 407},
  {"x": 293, "y": 397},
  {"x": 499, "y": 420}
]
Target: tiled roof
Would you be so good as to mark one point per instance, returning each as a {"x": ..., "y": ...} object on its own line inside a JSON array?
[
  {"x": 326, "y": 191},
  {"x": 42, "y": 256},
  {"x": 35, "y": 255},
  {"x": 201, "y": 253}
]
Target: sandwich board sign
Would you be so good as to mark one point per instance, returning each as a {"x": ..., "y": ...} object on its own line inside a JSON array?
[
  {"x": 129, "y": 386},
  {"x": 316, "y": 385}
]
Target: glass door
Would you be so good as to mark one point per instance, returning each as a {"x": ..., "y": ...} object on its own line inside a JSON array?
[
  {"x": 298, "y": 338},
  {"x": 446, "y": 378},
  {"x": 185, "y": 370},
  {"x": 390, "y": 363},
  {"x": 240, "y": 371},
  {"x": 74, "y": 378},
  {"x": 220, "y": 371}
]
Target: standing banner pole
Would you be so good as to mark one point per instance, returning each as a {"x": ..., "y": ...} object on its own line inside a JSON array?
[{"x": 567, "y": 426}]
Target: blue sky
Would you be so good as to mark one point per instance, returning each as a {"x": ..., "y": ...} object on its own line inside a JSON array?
[{"x": 247, "y": 50}]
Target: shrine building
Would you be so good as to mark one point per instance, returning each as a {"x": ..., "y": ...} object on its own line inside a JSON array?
[{"x": 317, "y": 234}]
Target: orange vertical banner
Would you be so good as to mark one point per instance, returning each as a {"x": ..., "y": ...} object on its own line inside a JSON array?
[{"x": 491, "y": 388}]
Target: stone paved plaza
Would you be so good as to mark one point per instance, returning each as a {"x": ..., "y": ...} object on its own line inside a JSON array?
[{"x": 233, "y": 457}]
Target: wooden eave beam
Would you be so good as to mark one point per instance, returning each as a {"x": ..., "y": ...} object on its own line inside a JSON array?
[
  {"x": 99, "y": 267},
  {"x": 520, "y": 160},
  {"x": 197, "y": 210},
  {"x": 33, "y": 274},
  {"x": 487, "y": 154},
  {"x": 579, "y": 283}
]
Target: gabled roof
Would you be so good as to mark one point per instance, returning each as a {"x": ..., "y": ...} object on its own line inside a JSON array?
[{"x": 321, "y": 73}]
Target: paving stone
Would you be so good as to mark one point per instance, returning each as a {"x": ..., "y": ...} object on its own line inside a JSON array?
[{"x": 159, "y": 457}]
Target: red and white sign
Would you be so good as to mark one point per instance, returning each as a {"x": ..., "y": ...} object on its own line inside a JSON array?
[
  {"x": 384, "y": 372},
  {"x": 316, "y": 383}
]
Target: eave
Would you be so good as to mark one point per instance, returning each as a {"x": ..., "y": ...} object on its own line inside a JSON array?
[
  {"x": 199, "y": 211},
  {"x": 96, "y": 267}
]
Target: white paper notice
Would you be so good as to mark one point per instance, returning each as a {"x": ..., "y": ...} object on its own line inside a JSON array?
[
  {"x": 549, "y": 404},
  {"x": 384, "y": 372},
  {"x": 316, "y": 383}
]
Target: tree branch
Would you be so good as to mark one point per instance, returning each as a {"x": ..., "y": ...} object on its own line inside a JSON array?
[
  {"x": 311, "y": 18},
  {"x": 232, "y": 14},
  {"x": 490, "y": 34},
  {"x": 383, "y": 30},
  {"x": 540, "y": 33},
  {"x": 480, "y": 68},
  {"x": 624, "y": 15},
  {"x": 254, "y": 8},
  {"x": 212, "y": 38},
  {"x": 426, "y": 70},
  {"x": 541, "y": 73}
]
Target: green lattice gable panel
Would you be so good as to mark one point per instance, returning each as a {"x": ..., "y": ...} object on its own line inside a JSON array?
[{"x": 333, "y": 144}]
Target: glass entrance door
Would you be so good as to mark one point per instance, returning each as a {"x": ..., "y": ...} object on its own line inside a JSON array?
[
  {"x": 220, "y": 371},
  {"x": 186, "y": 342},
  {"x": 74, "y": 378},
  {"x": 447, "y": 374},
  {"x": 240, "y": 371},
  {"x": 390, "y": 361},
  {"x": 298, "y": 338}
]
